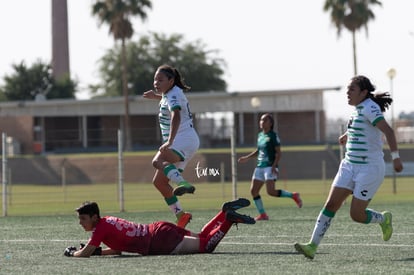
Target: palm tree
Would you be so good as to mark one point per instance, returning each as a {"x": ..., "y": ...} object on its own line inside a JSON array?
[
  {"x": 351, "y": 14},
  {"x": 117, "y": 14}
]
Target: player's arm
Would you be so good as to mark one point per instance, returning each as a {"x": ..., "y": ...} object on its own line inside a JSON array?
[
  {"x": 84, "y": 251},
  {"x": 392, "y": 143},
  {"x": 109, "y": 251},
  {"x": 247, "y": 157},
  {"x": 175, "y": 124},
  {"x": 343, "y": 139},
  {"x": 151, "y": 94},
  {"x": 278, "y": 151}
]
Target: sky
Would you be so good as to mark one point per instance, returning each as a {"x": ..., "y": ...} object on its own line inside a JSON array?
[{"x": 267, "y": 44}]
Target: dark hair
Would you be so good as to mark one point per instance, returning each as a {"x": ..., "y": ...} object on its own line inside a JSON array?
[
  {"x": 272, "y": 121},
  {"x": 88, "y": 208},
  {"x": 383, "y": 99},
  {"x": 172, "y": 72}
]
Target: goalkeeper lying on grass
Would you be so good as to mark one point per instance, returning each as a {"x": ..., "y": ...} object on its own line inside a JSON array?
[{"x": 158, "y": 238}]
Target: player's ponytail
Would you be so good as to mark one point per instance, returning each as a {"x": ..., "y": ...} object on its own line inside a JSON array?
[{"x": 383, "y": 99}]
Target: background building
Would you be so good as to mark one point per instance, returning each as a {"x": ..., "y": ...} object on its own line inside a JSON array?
[{"x": 92, "y": 125}]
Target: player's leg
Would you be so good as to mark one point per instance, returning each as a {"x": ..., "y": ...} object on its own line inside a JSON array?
[
  {"x": 161, "y": 182},
  {"x": 270, "y": 179},
  {"x": 220, "y": 217},
  {"x": 186, "y": 146},
  {"x": 189, "y": 245},
  {"x": 342, "y": 186},
  {"x": 368, "y": 182},
  {"x": 335, "y": 200},
  {"x": 210, "y": 240},
  {"x": 164, "y": 161},
  {"x": 255, "y": 187}
]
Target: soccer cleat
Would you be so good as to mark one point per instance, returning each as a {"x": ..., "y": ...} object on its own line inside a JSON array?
[
  {"x": 183, "y": 187},
  {"x": 386, "y": 226},
  {"x": 236, "y": 204},
  {"x": 262, "y": 217},
  {"x": 184, "y": 219},
  {"x": 235, "y": 217},
  {"x": 307, "y": 249},
  {"x": 297, "y": 199}
]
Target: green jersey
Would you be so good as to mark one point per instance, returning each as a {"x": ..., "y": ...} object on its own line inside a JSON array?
[{"x": 266, "y": 153}]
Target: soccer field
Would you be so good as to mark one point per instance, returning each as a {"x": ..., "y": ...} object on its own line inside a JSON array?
[{"x": 34, "y": 244}]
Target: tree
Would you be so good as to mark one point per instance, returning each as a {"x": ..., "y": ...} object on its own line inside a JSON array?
[
  {"x": 27, "y": 83},
  {"x": 117, "y": 14},
  {"x": 200, "y": 66},
  {"x": 351, "y": 14}
]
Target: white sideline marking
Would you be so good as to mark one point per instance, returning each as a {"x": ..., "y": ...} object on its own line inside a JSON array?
[
  {"x": 37, "y": 241},
  {"x": 237, "y": 243},
  {"x": 326, "y": 236},
  {"x": 324, "y": 244}
]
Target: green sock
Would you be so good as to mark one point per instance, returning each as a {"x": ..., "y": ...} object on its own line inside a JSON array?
[
  {"x": 285, "y": 194},
  {"x": 259, "y": 204}
]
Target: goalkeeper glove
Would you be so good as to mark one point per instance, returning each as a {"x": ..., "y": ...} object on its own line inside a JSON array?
[
  {"x": 96, "y": 252},
  {"x": 69, "y": 251}
]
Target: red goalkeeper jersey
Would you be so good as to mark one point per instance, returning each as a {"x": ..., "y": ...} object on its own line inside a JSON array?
[{"x": 154, "y": 239}]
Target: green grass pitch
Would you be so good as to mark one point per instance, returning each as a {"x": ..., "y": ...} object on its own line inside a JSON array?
[{"x": 42, "y": 222}]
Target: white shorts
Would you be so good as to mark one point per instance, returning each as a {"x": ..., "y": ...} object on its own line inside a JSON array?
[
  {"x": 263, "y": 174},
  {"x": 186, "y": 146},
  {"x": 364, "y": 180}
]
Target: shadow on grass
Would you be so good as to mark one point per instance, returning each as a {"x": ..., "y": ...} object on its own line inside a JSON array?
[{"x": 404, "y": 260}]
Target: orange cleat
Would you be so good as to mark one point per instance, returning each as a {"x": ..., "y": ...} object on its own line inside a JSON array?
[{"x": 184, "y": 219}]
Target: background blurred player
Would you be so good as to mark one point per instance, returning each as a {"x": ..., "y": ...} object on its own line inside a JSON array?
[{"x": 268, "y": 155}]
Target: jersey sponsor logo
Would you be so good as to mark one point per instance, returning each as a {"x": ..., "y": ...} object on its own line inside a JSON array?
[{"x": 132, "y": 229}]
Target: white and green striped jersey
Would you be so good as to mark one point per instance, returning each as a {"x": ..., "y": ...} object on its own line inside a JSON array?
[
  {"x": 364, "y": 144},
  {"x": 174, "y": 100}
]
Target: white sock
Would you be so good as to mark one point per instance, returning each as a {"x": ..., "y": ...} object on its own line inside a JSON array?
[
  {"x": 376, "y": 217},
  {"x": 175, "y": 176},
  {"x": 176, "y": 208},
  {"x": 321, "y": 226},
  {"x": 172, "y": 173}
]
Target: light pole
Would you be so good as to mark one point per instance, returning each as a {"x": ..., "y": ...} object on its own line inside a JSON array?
[{"x": 391, "y": 74}]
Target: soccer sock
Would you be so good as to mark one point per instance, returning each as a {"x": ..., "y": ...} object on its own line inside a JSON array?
[
  {"x": 259, "y": 204},
  {"x": 174, "y": 205},
  {"x": 285, "y": 194},
  {"x": 213, "y": 223},
  {"x": 321, "y": 226},
  {"x": 373, "y": 216},
  {"x": 212, "y": 239},
  {"x": 171, "y": 172}
]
